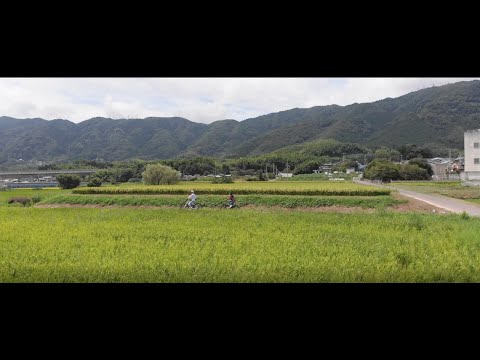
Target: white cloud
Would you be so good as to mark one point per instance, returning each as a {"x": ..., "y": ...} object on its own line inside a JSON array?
[{"x": 197, "y": 99}]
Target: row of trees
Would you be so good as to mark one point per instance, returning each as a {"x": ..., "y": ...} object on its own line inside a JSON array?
[
  {"x": 304, "y": 158},
  {"x": 411, "y": 151},
  {"x": 299, "y": 159},
  {"x": 384, "y": 170},
  {"x": 379, "y": 169},
  {"x": 154, "y": 174},
  {"x": 68, "y": 181}
]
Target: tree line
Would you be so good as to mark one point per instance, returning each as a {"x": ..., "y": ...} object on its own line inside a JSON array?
[{"x": 383, "y": 162}]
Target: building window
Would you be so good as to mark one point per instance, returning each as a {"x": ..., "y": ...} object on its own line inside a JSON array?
[
  {"x": 476, "y": 145},
  {"x": 476, "y": 161}
]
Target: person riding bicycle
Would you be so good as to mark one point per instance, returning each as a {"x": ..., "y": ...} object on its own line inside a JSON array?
[
  {"x": 231, "y": 200},
  {"x": 191, "y": 199}
]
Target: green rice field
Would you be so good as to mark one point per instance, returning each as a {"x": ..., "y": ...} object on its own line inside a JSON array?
[
  {"x": 146, "y": 237},
  {"x": 172, "y": 245}
]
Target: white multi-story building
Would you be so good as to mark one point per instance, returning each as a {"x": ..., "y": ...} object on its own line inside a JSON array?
[{"x": 472, "y": 154}]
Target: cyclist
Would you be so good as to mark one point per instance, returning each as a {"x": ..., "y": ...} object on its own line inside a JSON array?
[
  {"x": 231, "y": 200},
  {"x": 191, "y": 199}
]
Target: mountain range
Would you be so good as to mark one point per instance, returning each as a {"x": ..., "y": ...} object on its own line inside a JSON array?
[{"x": 437, "y": 116}]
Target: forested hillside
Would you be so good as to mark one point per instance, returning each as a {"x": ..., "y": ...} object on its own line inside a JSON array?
[{"x": 437, "y": 116}]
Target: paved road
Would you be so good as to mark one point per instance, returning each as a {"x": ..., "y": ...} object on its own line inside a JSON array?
[{"x": 453, "y": 205}]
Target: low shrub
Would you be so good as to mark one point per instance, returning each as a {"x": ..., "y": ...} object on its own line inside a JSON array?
[
  {"x": 94, "y": 182},
  {"x": 36, "y": 199},
  {"x": 19, "y": 200},
  {"x": 67, "y": 181}
]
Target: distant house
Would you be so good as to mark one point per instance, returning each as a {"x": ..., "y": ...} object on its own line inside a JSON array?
[
  {"x": 325, "y": 168},
  {"x": 436, "y": 160},
  {"x": 440, "y": 167},
  {"x": 189, "y": 177},
  {"x": 446, "y": 169},
  {"x": 285, "y": 175},
  {"x": 361, "y": 167}
]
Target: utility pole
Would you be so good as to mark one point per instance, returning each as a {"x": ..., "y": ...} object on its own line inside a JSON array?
[
  {"x": 266, "y": 171},
  {"x": 449, "y": 162}
]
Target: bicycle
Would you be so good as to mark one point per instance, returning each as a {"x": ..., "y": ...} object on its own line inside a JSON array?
[
  {"x": 194, "y": 206},
  {"x": 228, "y": 206}
]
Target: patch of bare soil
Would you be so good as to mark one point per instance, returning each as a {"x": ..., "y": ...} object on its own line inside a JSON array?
[{"x": 414, "y": 205}]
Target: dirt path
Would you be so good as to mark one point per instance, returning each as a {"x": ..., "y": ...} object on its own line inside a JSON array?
[{"x": 450, "y": 204}]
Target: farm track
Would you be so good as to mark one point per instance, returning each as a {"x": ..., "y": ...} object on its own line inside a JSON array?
[{"x": 443, "y": 202}]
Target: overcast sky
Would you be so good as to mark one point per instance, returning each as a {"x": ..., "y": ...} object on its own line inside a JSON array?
[{"x": 197, "y": 99}]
